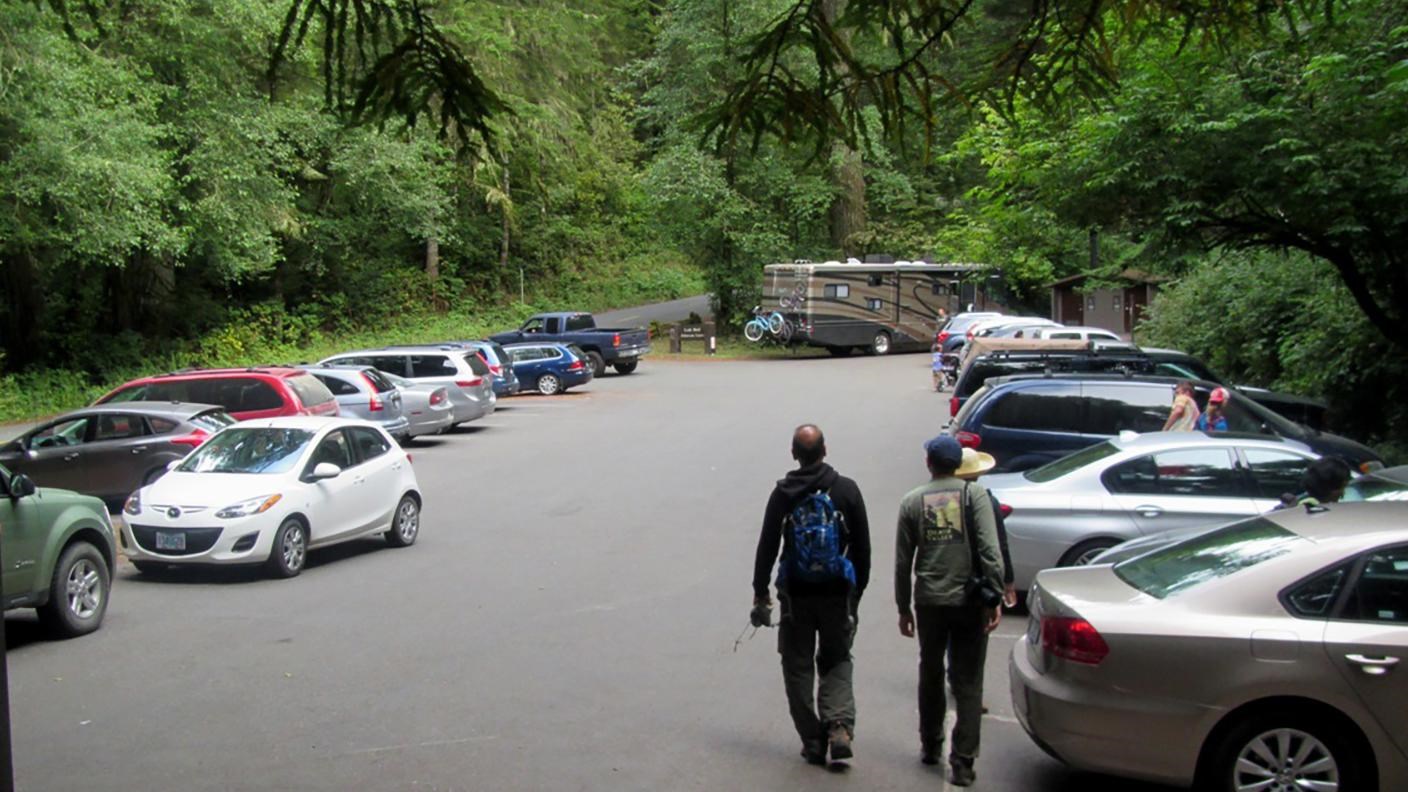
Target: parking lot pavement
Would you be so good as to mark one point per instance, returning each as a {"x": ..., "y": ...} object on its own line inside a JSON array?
[{"x": 566, "y": 621}]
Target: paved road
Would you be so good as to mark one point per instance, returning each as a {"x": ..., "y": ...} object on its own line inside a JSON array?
[
  {"x": 643, "y": 315},
  {"x": 566, "y": 622}
]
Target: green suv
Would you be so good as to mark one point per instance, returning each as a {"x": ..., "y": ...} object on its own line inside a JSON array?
[{"x": 57, "y": 551}]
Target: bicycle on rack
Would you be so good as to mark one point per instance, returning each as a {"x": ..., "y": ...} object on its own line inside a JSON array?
[
  {"x": 764, "y": 323},
  {"x": 793, "y": 301}
]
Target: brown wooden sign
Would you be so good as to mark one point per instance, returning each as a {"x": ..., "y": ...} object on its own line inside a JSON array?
[{"x": 680, "y": 333}]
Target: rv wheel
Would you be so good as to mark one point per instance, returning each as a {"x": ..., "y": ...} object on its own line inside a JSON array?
[{"x": 880, "y": 345}]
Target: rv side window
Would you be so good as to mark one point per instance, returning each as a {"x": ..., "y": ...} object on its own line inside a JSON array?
[
  {"x": 875, "y": 280},
  {"x": 939, "y": 289},
  {"x": 836, "y": 291},
  {"x": 874, "y": 304}
]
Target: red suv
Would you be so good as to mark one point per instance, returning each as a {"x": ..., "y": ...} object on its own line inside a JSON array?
[{"x": 244, "y": 393}]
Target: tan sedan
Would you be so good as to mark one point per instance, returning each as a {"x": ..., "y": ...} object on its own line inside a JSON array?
[{"x": 1268, "y": 655}]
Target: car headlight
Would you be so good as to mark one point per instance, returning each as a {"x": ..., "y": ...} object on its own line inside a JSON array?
[
  {"x": 134, "y": 503},
  {"x": 245, "y": 508}
]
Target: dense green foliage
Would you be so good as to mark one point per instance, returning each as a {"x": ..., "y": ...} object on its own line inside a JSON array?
[{"x": 192, "y": 182}]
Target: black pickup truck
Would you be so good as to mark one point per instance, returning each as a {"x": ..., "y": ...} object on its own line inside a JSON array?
[{"x": 621, "y": 348}]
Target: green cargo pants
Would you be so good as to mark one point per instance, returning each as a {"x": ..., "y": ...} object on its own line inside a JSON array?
[{"x": 814, "y": 638}]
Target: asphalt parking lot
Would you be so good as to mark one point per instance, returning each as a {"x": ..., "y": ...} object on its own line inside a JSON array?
[{"x": 566, "y": 621}]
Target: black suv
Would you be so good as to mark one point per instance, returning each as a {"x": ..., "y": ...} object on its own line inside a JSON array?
[
  {"x": 1029, "y": 420},
  {"x": 1014, "y": 362}
]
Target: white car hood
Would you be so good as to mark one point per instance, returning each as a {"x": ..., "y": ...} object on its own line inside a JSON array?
[{"x": 212, "y": 490}]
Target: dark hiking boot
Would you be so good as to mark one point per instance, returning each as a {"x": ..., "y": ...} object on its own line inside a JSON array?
[
  {"x": 814, "y": 751},
  {"x": 840, "y": 739},
  {"x": 961, "y": 771},
  {"x": 930, "y": 750}
]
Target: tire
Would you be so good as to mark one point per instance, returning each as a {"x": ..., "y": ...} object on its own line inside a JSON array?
[
  {"x": 880, "y": 344},
  {"x": 78, "y": 592},
  {"x": 1240, "y": 757},
  {"x": 548, "y": 384},
  {"x": 1081, "y": 554},
  {"x": 150, "y": 567},
  {"x": 597, "y": 362},
  {"x": 405, "y": 523},
  {"x": 753, "y": 331},
  {"x": 626, "y": 368},
  {"x": 786, "y": 332},
  {"x": 290, "y": 551},
  {"x": 775, "y": 323}
]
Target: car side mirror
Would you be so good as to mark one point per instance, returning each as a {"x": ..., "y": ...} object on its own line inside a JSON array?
[
  {"x": 325, "y": 470},
  {"x": 21, "y": 486}
]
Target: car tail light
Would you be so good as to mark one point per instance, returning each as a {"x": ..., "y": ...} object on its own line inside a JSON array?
[
  {"x": 943, "y": 336},
  {"x": 1073, "y": 639},
  {"x": 473, "y": 383},
  {"x": 437, "y": 396},
  {"x": 616, "y": 340},
  {"x": 409, "y": 458},
  {"x": 194, "y": 439},
  {"x": 968, "y": 439},
  {"x": 375, "y": 404},
  {"x": 497, "y": 371},
  {"x": 1004, "y": 510},
  {"x": 576, "y": 366},
  {"x": 953, "y": 406}
]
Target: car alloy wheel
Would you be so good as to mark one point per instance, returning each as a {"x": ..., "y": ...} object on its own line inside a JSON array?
[
  {"x": 85, "y": 589},
  {"x": 290, "y": 550},
  {"x": 548, "y": 384},
  {"x": 1285, "y": 760},
  {"x": 405, "y": 526}
]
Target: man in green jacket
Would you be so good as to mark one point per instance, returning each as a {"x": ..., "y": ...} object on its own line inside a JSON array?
[{"x": 936, "y": 523}]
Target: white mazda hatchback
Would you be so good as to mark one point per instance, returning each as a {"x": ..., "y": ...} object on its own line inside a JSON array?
[{"x": 268, "y": 491}]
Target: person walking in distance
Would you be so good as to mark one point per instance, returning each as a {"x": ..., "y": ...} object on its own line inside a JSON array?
[
  {"x": 817, "y": 518},
  {"x": 1183, "y": 416},
  {"x": 948, "y": 583}
]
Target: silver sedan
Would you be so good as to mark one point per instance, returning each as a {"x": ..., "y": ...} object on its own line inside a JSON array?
[
  {"x": 426, "y": 405},
  {"x": 1067, "y": 512},
  {"x": 1269, "y": 655}
]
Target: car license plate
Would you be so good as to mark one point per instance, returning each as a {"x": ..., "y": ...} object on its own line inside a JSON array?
[{"x": 170, "y": 541}]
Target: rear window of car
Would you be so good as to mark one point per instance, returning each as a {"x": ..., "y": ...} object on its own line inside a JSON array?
[
  {"x": 1207, "y": 557},
  {"x": 1045, "y": 410},
  {"x": 213, "y": 421},
  {"x": 432, "y": 366},
  {"x": 1112, "y": 408},
  {"x": 378, "y": 381},
  {"x": 1072, "y": 462},
  {"x": 477, "y": 364},
  {"x": 580, "y": 322},
  {"x": 309, "y": 390}
]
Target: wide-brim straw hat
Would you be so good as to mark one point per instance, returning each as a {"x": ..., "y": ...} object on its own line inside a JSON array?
[{"x": 975, "y": 463}]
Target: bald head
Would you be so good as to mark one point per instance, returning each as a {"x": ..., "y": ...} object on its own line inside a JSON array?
[{"x": 808, "y": 445}]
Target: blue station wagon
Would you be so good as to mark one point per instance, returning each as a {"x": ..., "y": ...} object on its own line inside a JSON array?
[{"x": 549, "y": 367}]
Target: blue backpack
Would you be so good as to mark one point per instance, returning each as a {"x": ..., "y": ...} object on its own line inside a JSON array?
[{"x": 814, "y": 554}]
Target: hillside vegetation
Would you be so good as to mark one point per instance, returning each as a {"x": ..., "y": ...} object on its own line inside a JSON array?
[{"x": 190, "y": 182}]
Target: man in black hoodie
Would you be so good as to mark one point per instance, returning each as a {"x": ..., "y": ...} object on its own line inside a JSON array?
[{"x": 818, "y": 619}]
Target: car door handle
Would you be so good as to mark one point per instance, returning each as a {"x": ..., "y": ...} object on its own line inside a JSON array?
[
  {"x": 140, "y": 450},
  {"x": 71, "y": 457},
  {"x": 1373, "y": 666},
  {"x": 1148, "y": 511}
]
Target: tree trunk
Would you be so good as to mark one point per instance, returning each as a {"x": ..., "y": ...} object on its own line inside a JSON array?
[
  {"x": 504, "y": 237},
  {"x": 848, "y": 210},
  {"x": 432, "y": 259}
]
